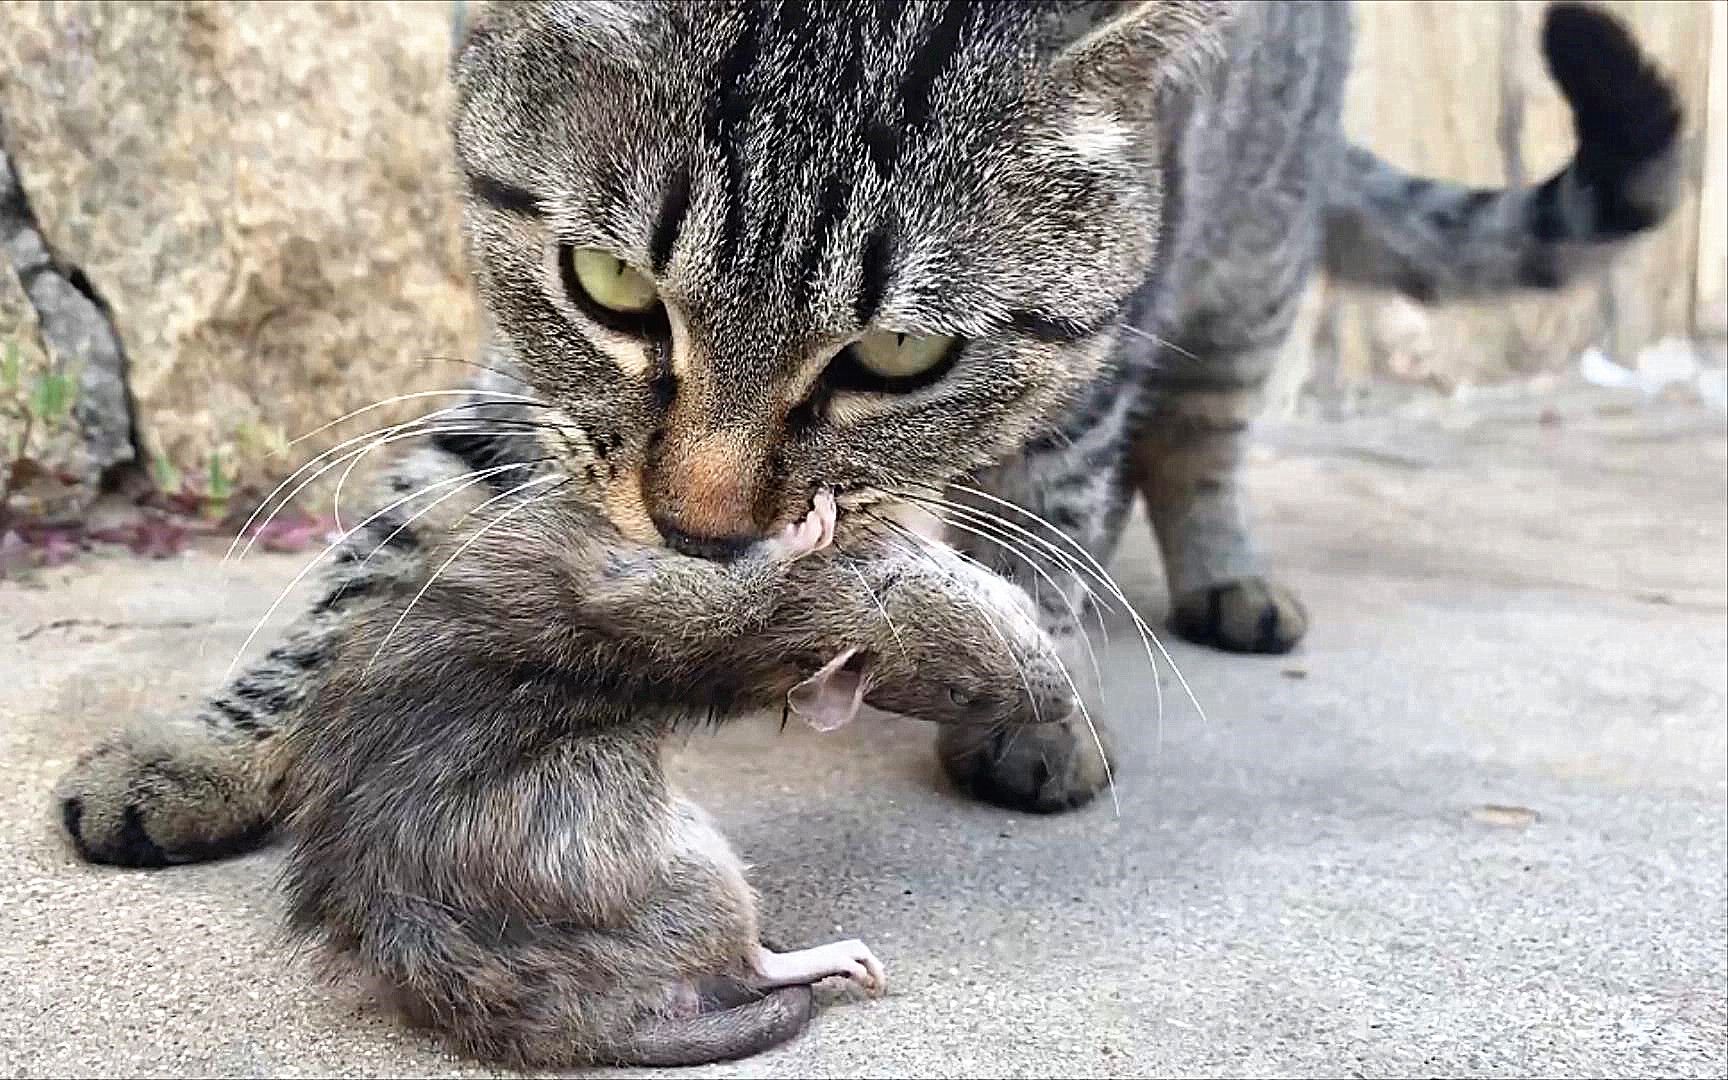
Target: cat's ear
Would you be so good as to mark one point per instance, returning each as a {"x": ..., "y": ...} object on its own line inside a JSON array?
[
  {"x": 621, "y": 25},
  {"x": 1119, "y": 49},
  {"x": 616, "y": 29}
]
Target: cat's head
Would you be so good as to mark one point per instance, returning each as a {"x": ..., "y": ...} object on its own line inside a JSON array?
[{"x": 751, "y": 250}]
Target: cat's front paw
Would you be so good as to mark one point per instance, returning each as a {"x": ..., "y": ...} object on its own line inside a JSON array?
[
  {"x": 146, "y": 798},
  {"x": 1249, "y": 615}
]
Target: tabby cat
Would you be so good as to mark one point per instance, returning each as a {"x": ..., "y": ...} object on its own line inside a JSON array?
[{"x": 962, "y": 255}]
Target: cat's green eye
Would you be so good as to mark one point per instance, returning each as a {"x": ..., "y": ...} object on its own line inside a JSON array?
[
  {"x": 901, "y": 356},
  {"x": 611, "y": 283}
]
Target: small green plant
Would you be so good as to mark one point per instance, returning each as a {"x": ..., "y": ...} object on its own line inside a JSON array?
[
  {"x": 219, "y": 485},
  {"x": 32, "y": 402},
  {"x": 165, "y": 475}
]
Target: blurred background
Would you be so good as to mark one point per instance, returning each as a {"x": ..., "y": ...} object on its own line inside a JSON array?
[{"x": 238, "y": 222}]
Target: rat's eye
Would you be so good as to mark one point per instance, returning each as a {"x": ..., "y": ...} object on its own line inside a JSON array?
[
  {"x": 612, "y": 292},
  {"x": 893, "y": 363},
  {"x": 961, "y": 697}
]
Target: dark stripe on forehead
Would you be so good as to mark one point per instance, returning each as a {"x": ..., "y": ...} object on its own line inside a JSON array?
[
  {"x": 873, "y": 278},
  {"x": 666, "y": 226},
  {"x": 830, "y": 208},
  {"x": 884, "y": 138},
  {"x": 928, "y": 64},
  {"x": 609, "y": 189},
  {"x": 501, "y": 196},
  {"x": 728, "y": 114}
]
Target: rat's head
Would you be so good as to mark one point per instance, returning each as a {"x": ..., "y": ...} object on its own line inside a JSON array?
[
  {"x": 953, "y": 644},
  {"x": 747, "y": 250}
]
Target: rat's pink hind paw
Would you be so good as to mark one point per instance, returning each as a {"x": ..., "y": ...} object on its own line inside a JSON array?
[
  {"x": 815, "y": 532},
  {"x": 850, "y": 959}
]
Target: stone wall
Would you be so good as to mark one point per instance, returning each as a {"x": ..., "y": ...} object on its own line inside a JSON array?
[{"x": 259, "y": 197}]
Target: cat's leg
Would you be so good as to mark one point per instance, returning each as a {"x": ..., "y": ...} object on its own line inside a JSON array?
[
  {"x": 182, "y": 790},
  {"x": 1076, "y": 481},
  {"x": 165, "y": 791},
  {"x": 1203, "y": 391}
]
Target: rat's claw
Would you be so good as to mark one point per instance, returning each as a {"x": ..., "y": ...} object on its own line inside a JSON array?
[
  {"x": 825, "y": 513},
  {"x": 815, "y": 532},
  {"x": 877, "y": 981}
]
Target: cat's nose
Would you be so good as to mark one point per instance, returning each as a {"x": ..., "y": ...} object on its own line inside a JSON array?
[{"x": 715, "y": 548}]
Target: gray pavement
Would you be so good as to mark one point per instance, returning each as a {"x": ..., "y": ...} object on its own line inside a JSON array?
[{"x": 1478, "y": 824}]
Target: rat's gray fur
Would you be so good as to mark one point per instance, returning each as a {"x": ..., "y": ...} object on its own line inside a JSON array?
[
  {"x": 480, "y": 822},
  {"x": 1118, "y": 205}
]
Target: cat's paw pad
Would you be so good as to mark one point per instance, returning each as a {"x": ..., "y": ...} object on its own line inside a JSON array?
[
  {"x": 1040, "y": 770},
  {"x": 1250, "y": 615},
  {"x": 149, "y": 800}
]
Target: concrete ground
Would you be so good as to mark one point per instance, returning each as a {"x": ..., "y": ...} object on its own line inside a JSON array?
[{"x": 1476, "y": 825}]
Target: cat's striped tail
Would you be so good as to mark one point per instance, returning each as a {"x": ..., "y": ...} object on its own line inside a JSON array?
[{"x": 1437, "y": 241}]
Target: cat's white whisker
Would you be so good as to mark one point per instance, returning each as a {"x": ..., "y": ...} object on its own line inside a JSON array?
[
  {"x": 490, "y": 397},
  {"x": 1061, "y": 593},
  {"x": 502, "y": 373},
  {"x": 1146, "y": 632},
  {"x": 337, "y": 543},
  {"x": 990, "y": 623},
  {"x": 418, "y": 422},
  {"x": 465, "y": 545},
  {"x": 868, "y": 591},
  {"x": 411, "y": 430},
  {"x": 476, "y": 478},
  {"x": 1079, "y": 698},
  {"x": 1157, "y": 340}
]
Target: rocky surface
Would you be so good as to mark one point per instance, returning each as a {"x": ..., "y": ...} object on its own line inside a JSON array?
[{"x": 260, "y": 193}]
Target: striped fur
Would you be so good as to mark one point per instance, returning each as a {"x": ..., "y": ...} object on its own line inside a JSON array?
[{"x": 1116, "y": 206}]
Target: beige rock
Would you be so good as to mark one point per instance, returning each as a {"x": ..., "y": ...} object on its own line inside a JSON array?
[{"x": 263, "y": 195}]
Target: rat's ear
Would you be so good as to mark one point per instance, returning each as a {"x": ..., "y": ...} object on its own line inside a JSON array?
[{"x": 830, "y": 698}]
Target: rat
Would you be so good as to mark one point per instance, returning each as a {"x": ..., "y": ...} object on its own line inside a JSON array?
[{"x": 479, "y": 815}]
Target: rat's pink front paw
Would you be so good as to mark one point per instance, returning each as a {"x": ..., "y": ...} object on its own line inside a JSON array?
[{"x": 815, "y": 532}]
